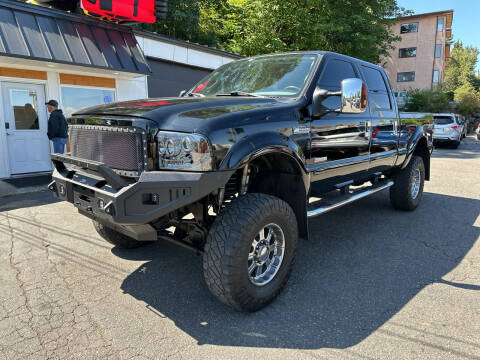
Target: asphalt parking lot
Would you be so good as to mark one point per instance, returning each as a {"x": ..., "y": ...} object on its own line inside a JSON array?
[{"x": 372, "y": 283}]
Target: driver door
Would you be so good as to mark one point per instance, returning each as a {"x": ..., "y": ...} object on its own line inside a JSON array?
[{"x": 340, "y": 146}]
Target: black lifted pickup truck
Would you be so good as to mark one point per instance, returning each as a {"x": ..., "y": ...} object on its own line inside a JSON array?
[{"x": 234, "y": 168}]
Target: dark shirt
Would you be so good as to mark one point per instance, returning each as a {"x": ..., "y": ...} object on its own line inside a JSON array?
[{"x": 57, "y": 125}]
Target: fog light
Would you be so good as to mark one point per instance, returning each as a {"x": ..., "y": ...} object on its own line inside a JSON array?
[{"x": 61, "y": 190}]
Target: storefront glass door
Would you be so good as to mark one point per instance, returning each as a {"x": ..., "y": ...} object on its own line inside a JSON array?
[{"x": 26, "y": 127}]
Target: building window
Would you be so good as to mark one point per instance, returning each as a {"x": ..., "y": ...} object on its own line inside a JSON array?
[
  {"x": 75, "y": 98},
  {"x": 438, "y": 51},
  {"x": 407, "y": 52},
  {"x": 440, "y": 24},
  {"x": 406, "y": 76},
  {"x": 436, "y": 74},
  {"x": 409, "y": 28}
]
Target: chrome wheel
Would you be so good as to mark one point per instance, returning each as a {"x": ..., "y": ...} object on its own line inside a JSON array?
[
  {"x": 266, "y": 254},
  {"x": 416, "y": 181}
]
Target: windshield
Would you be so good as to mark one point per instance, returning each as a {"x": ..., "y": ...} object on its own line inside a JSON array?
[
  {"x": 443, "y": 120},
  {"x": 279, "y": 75}
]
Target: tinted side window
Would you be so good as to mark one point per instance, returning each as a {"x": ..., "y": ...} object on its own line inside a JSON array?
[
  {"x": 379, "y": 100},
  {"x": 334, "y": 73},
  {"x": 374, "y": 79},
  {"x": 377, "y": 89}
]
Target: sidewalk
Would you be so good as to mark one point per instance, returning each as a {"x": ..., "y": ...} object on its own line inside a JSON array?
[{"x": 24, "y": 185}]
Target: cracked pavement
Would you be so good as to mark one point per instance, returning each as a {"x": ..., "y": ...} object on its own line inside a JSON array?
[{"x": 372, "y": 283}]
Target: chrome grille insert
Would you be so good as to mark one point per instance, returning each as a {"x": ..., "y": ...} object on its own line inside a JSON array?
[{"x": 120, "y": 148}]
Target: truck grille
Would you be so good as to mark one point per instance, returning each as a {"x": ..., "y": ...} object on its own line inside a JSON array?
[{"x": 120, "y": 148}]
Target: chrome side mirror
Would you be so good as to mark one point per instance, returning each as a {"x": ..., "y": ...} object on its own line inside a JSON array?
[{"x": 354, "y": 96}]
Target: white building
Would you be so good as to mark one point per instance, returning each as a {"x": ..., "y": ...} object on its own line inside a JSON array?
[{"x": 49, "y": 54}]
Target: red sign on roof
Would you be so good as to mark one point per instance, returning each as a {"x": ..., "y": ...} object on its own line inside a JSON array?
[{"x": 121, "y": 10}]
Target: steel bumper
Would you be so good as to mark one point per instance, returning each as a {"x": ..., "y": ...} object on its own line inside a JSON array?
[{"x": 99, "y": 193}]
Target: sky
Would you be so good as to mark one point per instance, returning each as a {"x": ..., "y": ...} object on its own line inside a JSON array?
[{"x": 466, "y": 24}]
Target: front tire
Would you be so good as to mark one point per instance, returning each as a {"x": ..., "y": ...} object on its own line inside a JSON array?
[
  {"x": 407, "y": 191},
  {"x": 116, "y": 238},
  {"x": 250, "y": 251}
]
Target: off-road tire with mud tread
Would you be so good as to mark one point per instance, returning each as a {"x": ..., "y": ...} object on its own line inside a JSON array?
[
  {"x": 116, "y": 238},
  {"x": 401, "y": 192},
  {"x": 228, "y": 244}
]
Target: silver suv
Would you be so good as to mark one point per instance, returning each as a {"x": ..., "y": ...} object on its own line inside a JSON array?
[{"x": 448, "y": 128}]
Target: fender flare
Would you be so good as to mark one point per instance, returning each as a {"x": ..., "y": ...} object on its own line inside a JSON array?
[
  {"x": 266, "y": 143},
  {"x": 412, "y": 144},
  {"x": 260, "y": 144},
  {"x": 416, "y": 138}
]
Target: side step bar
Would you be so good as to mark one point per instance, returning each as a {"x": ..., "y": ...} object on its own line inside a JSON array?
[{"x": 327, "y": 206}]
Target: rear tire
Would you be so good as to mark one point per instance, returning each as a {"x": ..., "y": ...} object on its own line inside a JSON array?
[
  {"x": 116, "y": 238},
  {"x": 407, "y": 191},
  {"x": 243, "y": 268},
  {"x": 455, "y": 144}
]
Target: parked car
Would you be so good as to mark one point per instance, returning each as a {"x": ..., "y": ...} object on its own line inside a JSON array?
[
  {"x": 241, "y": 162},
  {"x": 447, "y": 129},
  {"x": 478, "y": 132}
]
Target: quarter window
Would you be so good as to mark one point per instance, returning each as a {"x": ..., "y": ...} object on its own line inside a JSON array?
[
  {"x": 438, "y": 51},
  {"x": 406, "y": 76},
  {"x": 409, "y": 28},
  {"x": 440, "y": 24},
  {"x": 407, "y": 52}
]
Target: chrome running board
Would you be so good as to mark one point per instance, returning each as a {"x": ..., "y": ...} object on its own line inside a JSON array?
[{"x": 327, "y": 205}]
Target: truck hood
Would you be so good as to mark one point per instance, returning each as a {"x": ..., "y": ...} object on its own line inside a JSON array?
[{"x": 188, "y": 114}]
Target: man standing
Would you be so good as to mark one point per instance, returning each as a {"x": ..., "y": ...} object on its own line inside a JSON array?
[{"x": 57, "y": 127}]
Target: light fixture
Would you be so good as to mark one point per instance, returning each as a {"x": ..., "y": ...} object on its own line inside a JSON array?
[{"x": 50, "y": 65}]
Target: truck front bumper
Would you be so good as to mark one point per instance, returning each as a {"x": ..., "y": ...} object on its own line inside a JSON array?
[{"x": 99, "y": 193}]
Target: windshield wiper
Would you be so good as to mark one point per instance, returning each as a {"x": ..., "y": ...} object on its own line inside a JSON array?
[
  {"x": 240, "y": 93},
  {"x": 191, "y": 94}
]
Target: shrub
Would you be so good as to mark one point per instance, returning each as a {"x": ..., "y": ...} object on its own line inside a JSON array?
[{"x": 426, "y": 100}]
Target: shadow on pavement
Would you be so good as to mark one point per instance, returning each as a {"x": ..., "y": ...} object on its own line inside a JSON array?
[
  {"x": 27, "y": 200},
  {"x": 360, "y": 267}
]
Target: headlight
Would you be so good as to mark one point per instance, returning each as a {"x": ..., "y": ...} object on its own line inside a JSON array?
[{"x": 189, "y": 152}]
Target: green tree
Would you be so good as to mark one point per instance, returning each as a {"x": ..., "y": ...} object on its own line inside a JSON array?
[
  {"x": 461, "y": 68},
  {"x": 356, "y": 28},
  {"x": 252, "y": 27},
  {"x": 191, "y": 20},
  {"x": 468, "y": 98}
]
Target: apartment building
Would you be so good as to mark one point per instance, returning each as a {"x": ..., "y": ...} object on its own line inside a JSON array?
[{"x": 419, "y": 58}]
